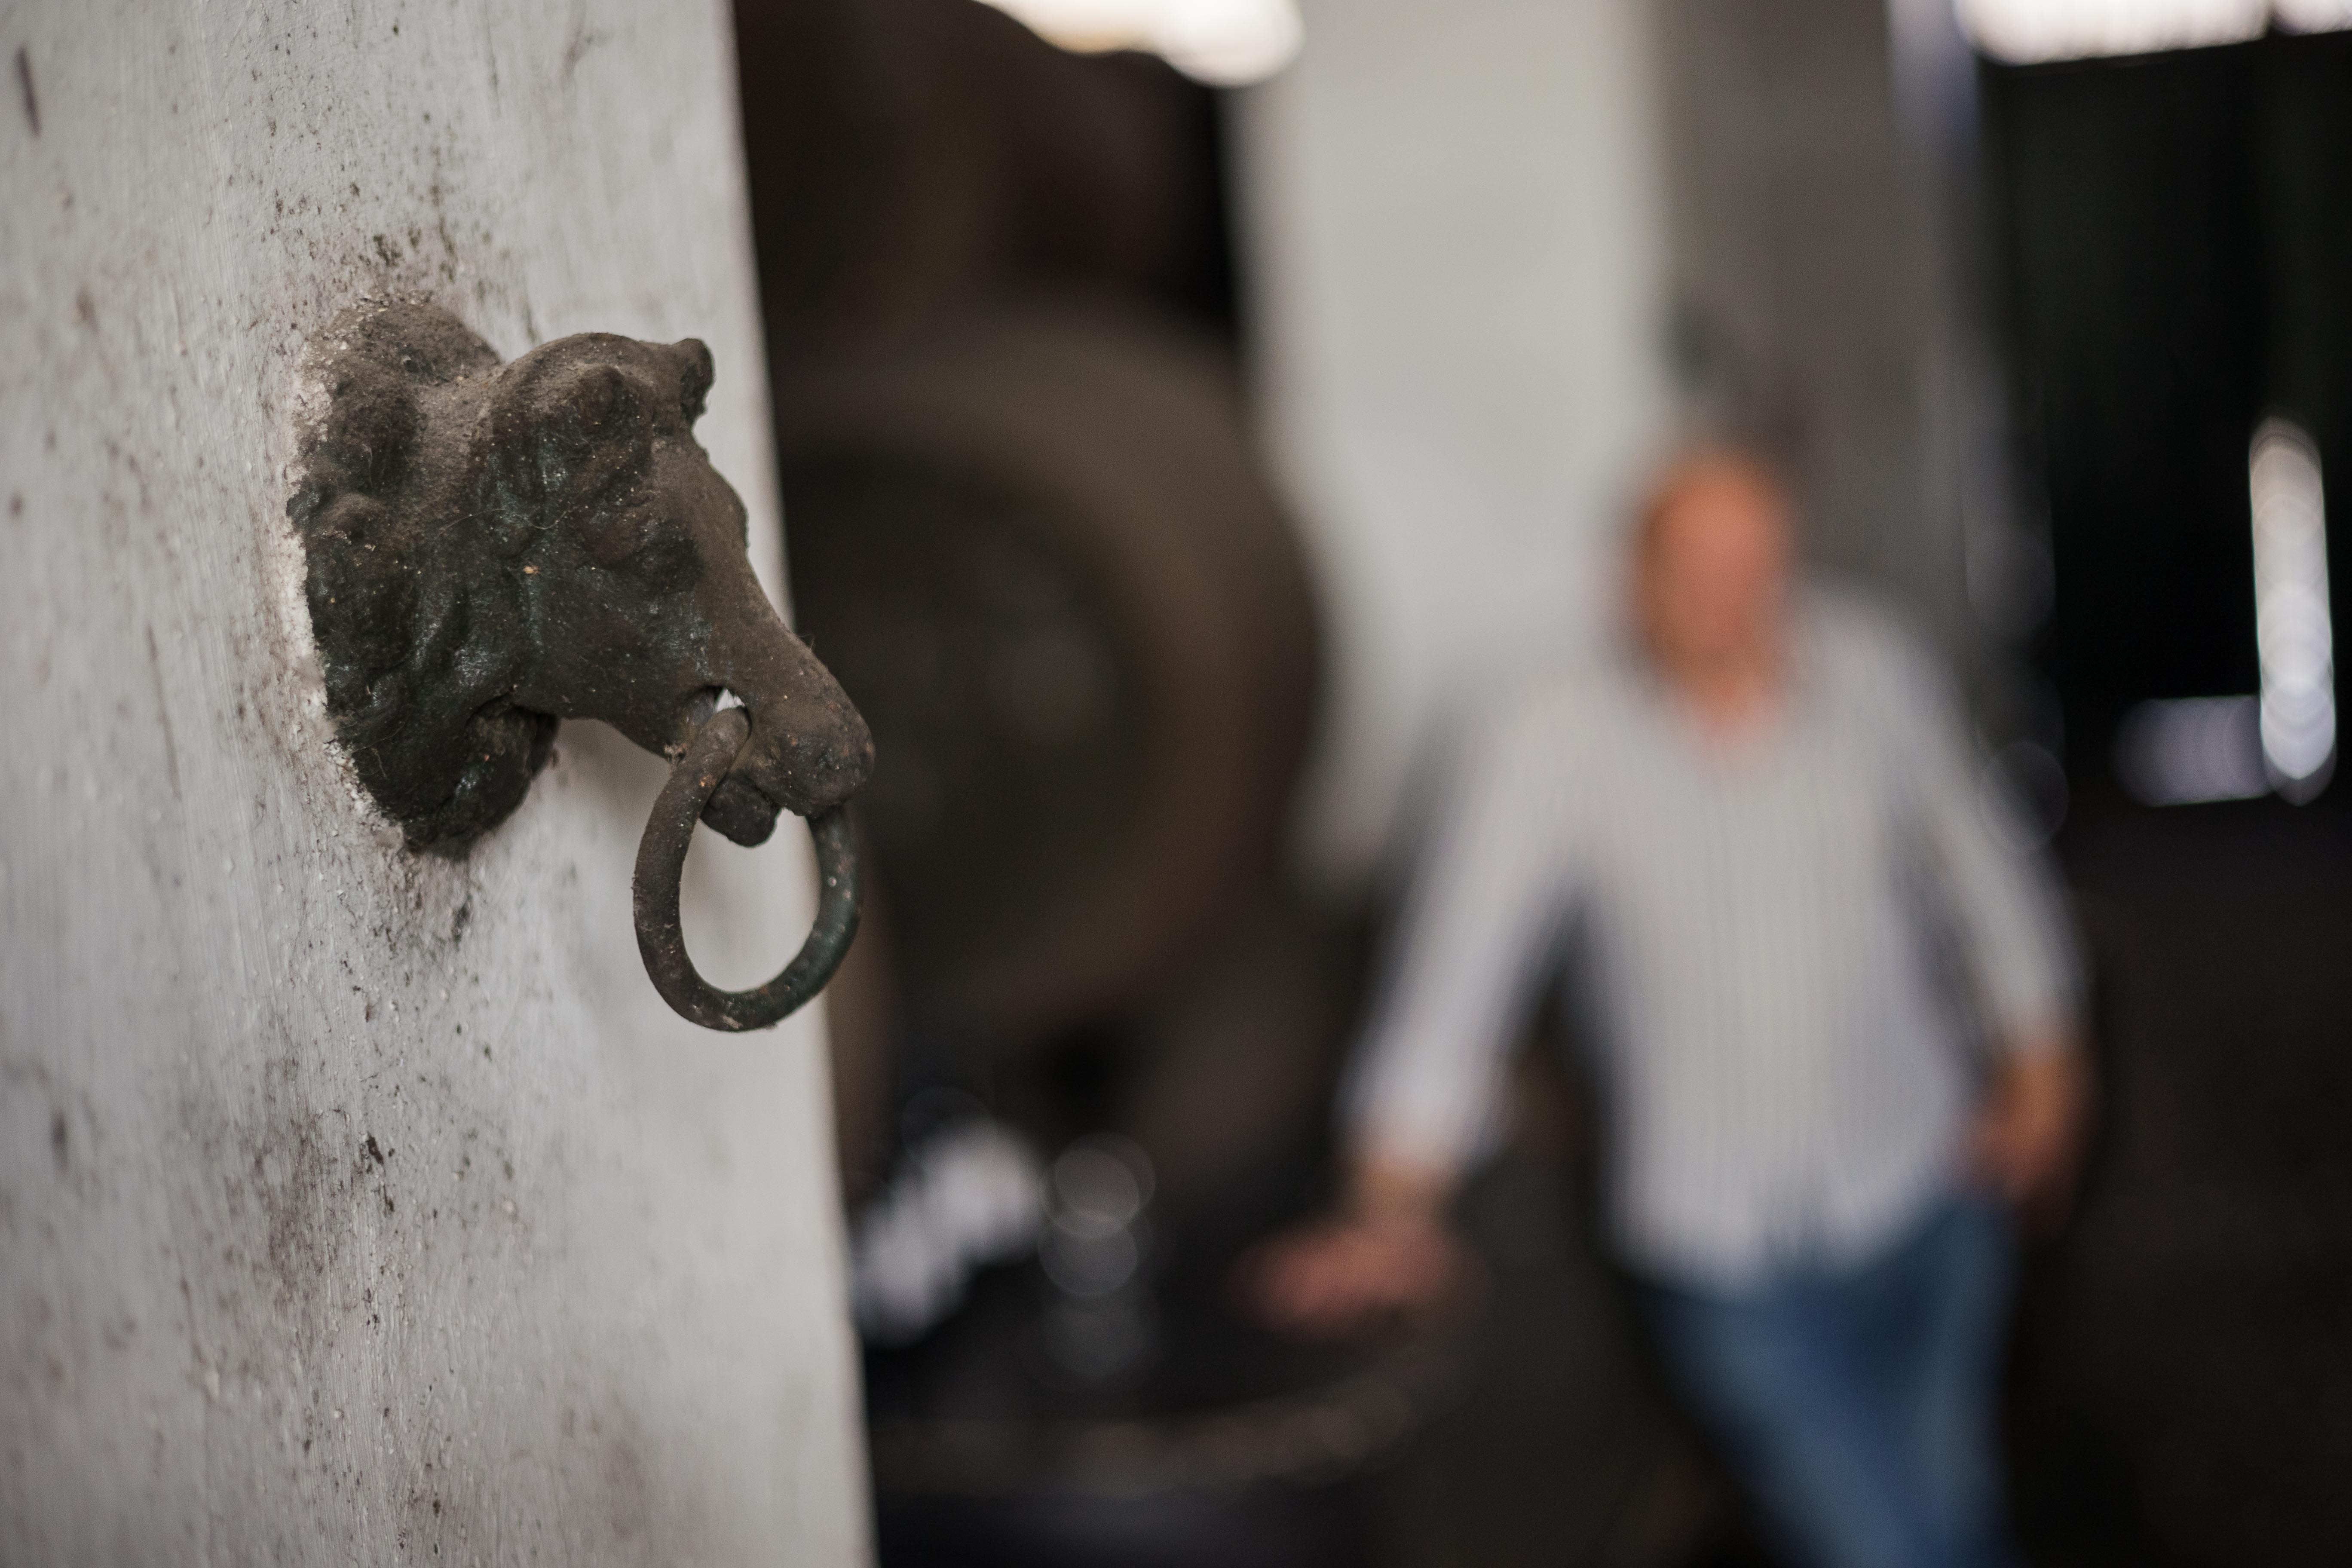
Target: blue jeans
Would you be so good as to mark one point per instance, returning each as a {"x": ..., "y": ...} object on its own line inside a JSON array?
[{"x": 1858, "y": 1402}]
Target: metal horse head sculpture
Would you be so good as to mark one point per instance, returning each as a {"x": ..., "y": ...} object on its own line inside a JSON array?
[{"x": 493, "y": 548}]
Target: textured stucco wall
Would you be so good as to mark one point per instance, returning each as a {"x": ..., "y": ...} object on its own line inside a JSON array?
[{"x": 356, "y": 1208}]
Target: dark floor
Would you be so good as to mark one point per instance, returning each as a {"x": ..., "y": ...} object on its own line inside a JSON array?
[
  {"x": 1544, "y": 1440},
  {"x": 2182, "y": 1388}
]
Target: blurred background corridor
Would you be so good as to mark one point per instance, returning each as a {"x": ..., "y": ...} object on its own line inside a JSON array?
[{"x": 1182, "y": 410}]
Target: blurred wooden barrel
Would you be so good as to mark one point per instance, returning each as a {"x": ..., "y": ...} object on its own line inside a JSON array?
[{"x": 1038, "y": 551}]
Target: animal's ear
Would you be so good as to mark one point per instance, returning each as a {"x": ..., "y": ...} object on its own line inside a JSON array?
[
  {"x": 591, "y": 405},
  {"x": 558, "y": 441},
  {"x": 592, "y": 434},
  {"x": 694, "y": 376}
]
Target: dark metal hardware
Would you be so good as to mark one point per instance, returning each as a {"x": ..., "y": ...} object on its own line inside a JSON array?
[
  {"x": 661, "y": 861},
  {"x": 492, "y": 548}
]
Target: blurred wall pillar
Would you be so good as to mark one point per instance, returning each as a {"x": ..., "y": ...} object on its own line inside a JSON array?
[
  {"x": 1822, "y": 158},
  {"x": 1489, "y": 243},
  {"x": 1453, "y": 230}
]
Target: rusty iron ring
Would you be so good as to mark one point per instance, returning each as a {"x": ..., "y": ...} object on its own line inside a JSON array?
[{"x": 661, "y": 861}]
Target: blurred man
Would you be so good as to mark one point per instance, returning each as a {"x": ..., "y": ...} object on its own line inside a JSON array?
[{"x": 1760, "y": 821}]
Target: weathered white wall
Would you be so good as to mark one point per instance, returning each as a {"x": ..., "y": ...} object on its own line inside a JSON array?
[
  {"x": 586, "y": 1307},
  {"x": 1455, "y": 238}
]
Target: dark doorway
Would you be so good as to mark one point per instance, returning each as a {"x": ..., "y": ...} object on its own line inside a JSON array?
[{"x": 2174, "y": 236}]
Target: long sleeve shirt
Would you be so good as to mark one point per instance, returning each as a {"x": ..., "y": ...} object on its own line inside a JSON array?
[{"x": 1791, "y": 951}]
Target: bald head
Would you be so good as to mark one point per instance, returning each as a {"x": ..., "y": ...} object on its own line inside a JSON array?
[{"x": 1711, "y": 560}]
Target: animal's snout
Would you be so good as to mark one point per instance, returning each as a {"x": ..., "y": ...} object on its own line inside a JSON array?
[
  {"x": 741, "y": 812},
  {"x": 805, "y": 755}
]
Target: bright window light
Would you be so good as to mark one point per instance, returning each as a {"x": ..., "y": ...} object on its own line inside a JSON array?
[
  {"x": 2293, "y": 633},
  {"x": 2189, "y": 750},
  {"x": 2023, "y": 32},
  {"x": 1224, "y": 43},
  {"x": 2193, "y": 749},
  {"x": 2312, "y": 15}
]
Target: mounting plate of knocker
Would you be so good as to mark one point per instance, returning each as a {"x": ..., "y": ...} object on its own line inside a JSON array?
[{"x": 494, "y": 547}]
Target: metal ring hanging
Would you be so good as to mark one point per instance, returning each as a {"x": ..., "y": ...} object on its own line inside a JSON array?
[{"x": 661, "y": 861}]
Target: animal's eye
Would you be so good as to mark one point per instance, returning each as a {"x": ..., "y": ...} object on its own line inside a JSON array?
[
  {"x": 612, "y": 540},
  {"x": 645, "y": 546},
  {"x": 621, "y": 533},
  {"x": 666, "y": 562}
]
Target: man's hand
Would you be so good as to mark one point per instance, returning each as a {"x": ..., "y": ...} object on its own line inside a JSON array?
[
  {"x": 1348, "y": 1276},
  {"x": 1387, "y": 1256},
  {"x": 2029, "y": 1133}
]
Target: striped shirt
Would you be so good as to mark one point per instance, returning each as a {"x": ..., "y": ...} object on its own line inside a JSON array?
[{"x": 1790, "y": 954}]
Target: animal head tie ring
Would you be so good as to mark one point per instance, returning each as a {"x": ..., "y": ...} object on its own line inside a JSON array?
[{"x": 494, "y": 548}]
